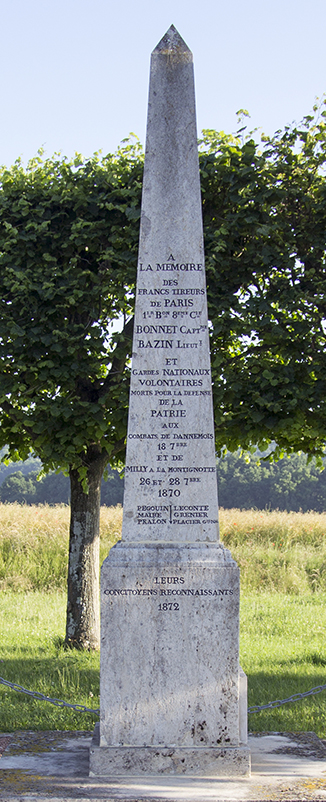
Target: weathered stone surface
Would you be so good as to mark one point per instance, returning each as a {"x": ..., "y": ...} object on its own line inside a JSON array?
[
  {"x": 170, "y": 480},
  {"x": 179, "y": 761},
  {"x": 177, "y": 680},
  {"x": 173, "y": 698}
]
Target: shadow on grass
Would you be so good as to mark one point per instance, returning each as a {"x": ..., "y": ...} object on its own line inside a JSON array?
[
  {"x": 281, "y": 685},
  {"x": 307, "y": 714},
  {"x": 305, "y": 659},
  {"x": 68, "y": 677},
  {"x": 68, "y": 673},
  {"x": 63, "y": 669},
  {"x": 313, "y": 658}
]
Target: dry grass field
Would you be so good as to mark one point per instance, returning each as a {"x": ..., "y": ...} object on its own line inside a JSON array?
[{"x": 275, "y": 550}]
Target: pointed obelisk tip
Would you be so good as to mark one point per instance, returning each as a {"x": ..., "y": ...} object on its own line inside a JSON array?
[{"x": 171, "y": 42}]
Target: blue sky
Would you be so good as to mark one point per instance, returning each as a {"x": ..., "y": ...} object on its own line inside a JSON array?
[{"x": 74, "y": 73}]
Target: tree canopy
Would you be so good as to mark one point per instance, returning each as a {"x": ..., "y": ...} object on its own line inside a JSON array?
[
  {"x": 265, "y": 227},
  {"x": 68, "y": 249},
  {"x": 68, "y": 256},
  {"x": 291, "y": 483},
  {"x": 68, "y": 252},
  {"x": 53, "y": 488}
]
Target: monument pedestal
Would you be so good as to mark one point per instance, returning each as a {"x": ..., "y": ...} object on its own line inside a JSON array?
[
  {"x": 201, "y": 761},
  {"x": 171, "y": 688}
]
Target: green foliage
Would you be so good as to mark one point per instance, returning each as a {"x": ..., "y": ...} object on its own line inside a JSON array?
[
  {"x": 292, "y": 483},
  {"x": 54, "y": 488},
  {"x": 68, "y": 249},
  {"x": 112, "y": 489},
  {"x": 68, "y": 253},
  {"x": 264, "y": 221},
  {"x": 18, "y": 487},
  {"x": 7, "y": 468}
]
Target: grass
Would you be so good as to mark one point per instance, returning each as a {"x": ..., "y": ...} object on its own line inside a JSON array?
[
  {"x": 32, "y": 655},
  {"x": 282, "y": 652},
  {"x": 283, "y": 616},
  {"x": 34, "y": 544},
  {"x": 282, "y": 648},
  {"x": 277, "y": 551}
]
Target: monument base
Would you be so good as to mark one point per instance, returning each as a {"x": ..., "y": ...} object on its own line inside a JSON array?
[
  {"x": 173, "y": 696},
  {"x": 201, "y": 761}
]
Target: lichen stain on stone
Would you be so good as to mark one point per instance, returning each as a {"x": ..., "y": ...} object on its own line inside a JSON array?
[
  {"x": 18, "y": 780},
  {"x": 175, "y": 57},
  {"x": 77, "y": 528},
  {"x": 314, "y": 785}
]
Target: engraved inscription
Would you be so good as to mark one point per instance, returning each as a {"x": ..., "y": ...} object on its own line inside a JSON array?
[
  {"x": 170, "y": 444},
  {"x": 172, "y": 586}
]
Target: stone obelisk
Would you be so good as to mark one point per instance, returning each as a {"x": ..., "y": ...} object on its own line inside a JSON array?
[{"x": 171, "y": 699}]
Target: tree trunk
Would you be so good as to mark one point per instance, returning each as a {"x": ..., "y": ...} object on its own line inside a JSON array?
[{"x": 83, "y": 613}]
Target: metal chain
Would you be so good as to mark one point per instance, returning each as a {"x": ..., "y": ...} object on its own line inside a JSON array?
[
  {"x": 57, "y": 702},
  {"x": 96, "y": 712},
  {"x": 294, "y": 698}
]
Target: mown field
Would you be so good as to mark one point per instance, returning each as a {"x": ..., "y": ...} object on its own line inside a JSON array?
[{"x": 283, "y": 615}]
